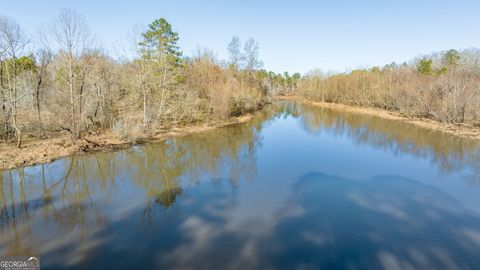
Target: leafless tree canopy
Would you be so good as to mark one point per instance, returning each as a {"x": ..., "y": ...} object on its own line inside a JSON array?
[
  {"x": 446, "y": 90},
  {"x": 64, "y": 83}
]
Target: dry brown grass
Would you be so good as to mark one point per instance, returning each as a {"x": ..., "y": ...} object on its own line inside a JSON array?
[
  {"x": 37, "y": 151},
  {"x": 453, "y": 129}
]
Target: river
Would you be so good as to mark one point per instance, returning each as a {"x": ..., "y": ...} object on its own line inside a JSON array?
[{"x": 298, "y": 187}]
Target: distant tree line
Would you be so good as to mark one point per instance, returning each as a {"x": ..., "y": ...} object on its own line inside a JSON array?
[
  {"x": 62, "y": 82},
  {"x": 443, "y": 86}
]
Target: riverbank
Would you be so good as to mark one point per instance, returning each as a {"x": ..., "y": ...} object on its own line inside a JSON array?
[
  {"x": 456, "y": 130},
  {"x": 37, "y": 151}
]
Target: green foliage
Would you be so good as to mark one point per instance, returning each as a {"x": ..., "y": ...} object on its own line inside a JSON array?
[
  {"x": 277, "y": 83},
  {"x": 296, "y": 76},
  {"x": 441, "y": 71},
  {"x": 390, "y": 66},
  {"x": 424, "y": 67},
  {"x": 451, "y": 58},
  {"x": 287, "y": 78},
  {"x": 262, "y": 74},
  {"x": 375, "y": 70},
  {"x": 25, "y": 63},
  {"x": 359, "y": 71},
  {"x": 17, "y": 65},
  {"x": 160, "y": 42}
]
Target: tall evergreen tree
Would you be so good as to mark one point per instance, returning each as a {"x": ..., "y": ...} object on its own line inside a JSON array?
[
  {"x": 160, "y": 53},
  {"x": 159, "y": 43},
  {"x": 451, "y": 58},
  {"x": 424, "y": 67}
]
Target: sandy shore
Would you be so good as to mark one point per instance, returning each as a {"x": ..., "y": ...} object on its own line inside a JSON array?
[
  {"x": 457, "y": 130},
  {"x": 35, "y": 151}
]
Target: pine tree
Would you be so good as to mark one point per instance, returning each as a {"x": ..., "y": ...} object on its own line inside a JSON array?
[
  {"x": 163, "y": 58},
  {"x": 159, "y": 43}
]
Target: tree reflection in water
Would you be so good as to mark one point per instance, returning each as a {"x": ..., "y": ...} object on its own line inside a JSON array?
[
  {"x": 172, "y": 204},
  {"x": 48, "y": 207},
  {"x": 450, "y": 153}
]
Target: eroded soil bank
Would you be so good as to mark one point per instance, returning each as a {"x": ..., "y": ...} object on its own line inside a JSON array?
[
  {"x": 456, "y": 130},
  {"x": 37, "y": 151}
]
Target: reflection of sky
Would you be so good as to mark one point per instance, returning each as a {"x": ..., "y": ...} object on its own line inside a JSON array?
[
  {"x": 301, "y": 193},
  {"x": 288, "y": 151}
]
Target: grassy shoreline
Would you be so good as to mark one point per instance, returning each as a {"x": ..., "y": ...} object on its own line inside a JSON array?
[
  {"x": 455, "y": 130},
  {"x": 39, "y": 151}
]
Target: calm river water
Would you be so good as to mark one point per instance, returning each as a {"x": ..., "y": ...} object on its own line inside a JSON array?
[{"x": 298, "y": 187}]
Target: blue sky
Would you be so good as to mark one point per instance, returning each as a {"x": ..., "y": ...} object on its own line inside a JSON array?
[{"x": 293, "y": 35}]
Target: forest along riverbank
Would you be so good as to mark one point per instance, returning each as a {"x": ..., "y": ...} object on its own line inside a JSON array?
[
  {"x": 37, "y": 151},
  {"x": 348, "y": 179},
  {"x": 156, "y": 93},
  {"x": 456, "y": 130}
]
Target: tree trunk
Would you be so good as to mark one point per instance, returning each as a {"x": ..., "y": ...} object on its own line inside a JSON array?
[
  {"x": 144, "y": 93},
  {"x": 18, "y": 133},
  {"x": 37, "y": 105},
  {"x": 4, "y": 102},
  {"x": 14, "y": 100},
  {"x": 72, "y": 97},
  {"x": 80, "y": 99}
]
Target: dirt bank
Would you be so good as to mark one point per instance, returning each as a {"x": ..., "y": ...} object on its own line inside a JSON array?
[
  {"x": 457, "y": 130},
  {"x": 36, "y": 151}
]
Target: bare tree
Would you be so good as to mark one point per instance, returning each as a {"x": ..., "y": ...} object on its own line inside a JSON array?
[
  {"x": 234, "y": 52},
  {"x": 72, "y": 40},
  {"x": 141, "y": 72},
  {"x": 13, "y": 43},
  {"x": 251, "y": 55},
  {"x": 105, "y": 85},
  {"x": 43, "y": 59},
  {"x": 66, "y": 82},
  {"x": 3, "y": 95}
]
